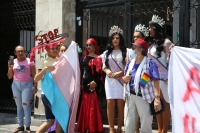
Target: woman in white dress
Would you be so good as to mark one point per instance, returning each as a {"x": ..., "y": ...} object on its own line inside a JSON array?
[
  {"x": 159, "y": 51},
  {"x": 113, "y": 65}
]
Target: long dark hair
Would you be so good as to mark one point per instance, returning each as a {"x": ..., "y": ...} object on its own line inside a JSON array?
[
  {"x": 159, "y": 37},
  {"x": 110, "y": 48}
]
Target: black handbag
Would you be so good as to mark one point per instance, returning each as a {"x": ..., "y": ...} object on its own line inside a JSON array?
[{"x": 153, "y": 112}]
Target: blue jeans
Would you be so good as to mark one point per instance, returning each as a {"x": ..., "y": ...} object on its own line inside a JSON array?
[{"x": 22, "y": 93}]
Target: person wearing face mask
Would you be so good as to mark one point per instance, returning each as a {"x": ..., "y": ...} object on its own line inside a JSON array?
[
  {"x": 113, "y": 65},
  {"x": 159, "y": 51},
  {"x": 142, "y": 88},
  {"x": 90, "y": 118},
  {"x": 140, "y": 32}
]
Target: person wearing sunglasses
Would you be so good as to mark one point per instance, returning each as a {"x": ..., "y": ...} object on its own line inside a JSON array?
[{"x": 90, "y": 119}]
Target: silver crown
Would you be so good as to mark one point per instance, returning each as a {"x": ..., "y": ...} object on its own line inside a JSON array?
[
  {"x": 115, "y": 29},
  {"x": 143, "y": 29},
  {"x": 158, "y": 20}
]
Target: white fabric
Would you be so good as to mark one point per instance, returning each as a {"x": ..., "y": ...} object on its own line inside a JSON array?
[
  {"x": 163, "y": 59},
  {"x": 114, "y": 90},
  {"x": 148, "y": 90},
  {"x": 136, "y": 107},
  {"x": 137, "y": 75},
  {"x": 127, "y": 86},
  {"x": 184, "y": 90}
]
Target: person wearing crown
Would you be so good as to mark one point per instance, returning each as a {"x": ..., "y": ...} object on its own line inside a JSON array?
[
  {"x": 90, "y": 118},
  {"x": 141, "y": 88},
  {"x": 140, "y": 32},
  {"x": 159, "y": 52},
  {"x": 113, "y": 65}
]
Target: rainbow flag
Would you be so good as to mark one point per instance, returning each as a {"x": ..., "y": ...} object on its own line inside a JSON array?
[
  {"x": 144, "y": 80},
  {"x": 62, "y": 88}
]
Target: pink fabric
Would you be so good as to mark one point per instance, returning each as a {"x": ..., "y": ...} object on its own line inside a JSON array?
[
  {"x": 22, "y": 70},
  {"x": 70, "y": 88},
  {"x": 61, "y": 80}
]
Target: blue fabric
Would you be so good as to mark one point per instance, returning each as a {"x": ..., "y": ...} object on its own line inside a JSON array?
[
  {"x": 153, "y": 71},
  {"x": 59, "y": 105}
]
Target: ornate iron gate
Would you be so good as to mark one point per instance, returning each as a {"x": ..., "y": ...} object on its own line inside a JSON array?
[
  {"x": 17, "y": 27},
  {"x": 95, "y": 17}
]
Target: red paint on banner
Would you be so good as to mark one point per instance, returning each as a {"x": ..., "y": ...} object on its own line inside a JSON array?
[
  {"x": 190, "y": 88},
  {"x": 186, "y": 119}
]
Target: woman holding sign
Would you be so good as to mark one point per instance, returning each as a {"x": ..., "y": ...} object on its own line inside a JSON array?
[{"x": 159, "y": 52}]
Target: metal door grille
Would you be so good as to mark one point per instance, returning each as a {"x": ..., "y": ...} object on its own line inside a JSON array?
[{"x": 17, "y": 27}]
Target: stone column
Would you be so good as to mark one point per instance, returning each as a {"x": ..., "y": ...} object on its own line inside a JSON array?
[{"x": 52, "y": 14}]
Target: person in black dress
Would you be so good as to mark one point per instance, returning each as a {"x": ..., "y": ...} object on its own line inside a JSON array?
[{"x": 90, "y": 118}]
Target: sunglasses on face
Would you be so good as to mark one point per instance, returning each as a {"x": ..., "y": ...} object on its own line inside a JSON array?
[{"x": 88, "y": 45}]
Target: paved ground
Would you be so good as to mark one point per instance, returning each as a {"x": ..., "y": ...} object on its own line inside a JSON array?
[{"x": 8, "y": 122}]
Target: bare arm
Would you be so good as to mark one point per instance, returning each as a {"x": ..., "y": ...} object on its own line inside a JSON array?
[
  {"x": 167, "y": 45},
  {"x": 10, "y": 71},
  {"x": 157, "y": 105},
  {"x": 33, "y": 72},
  {"x": 41, "y": 73}
]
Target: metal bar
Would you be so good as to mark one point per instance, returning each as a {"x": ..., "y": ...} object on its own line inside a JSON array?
[
  {"x": 28, "y": 12},
  {"x": 104, "y": 4},
  {"x": 184, "y": 23}
]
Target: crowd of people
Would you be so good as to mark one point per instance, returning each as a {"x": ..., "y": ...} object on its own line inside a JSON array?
[{"x": 136, "y": 82}]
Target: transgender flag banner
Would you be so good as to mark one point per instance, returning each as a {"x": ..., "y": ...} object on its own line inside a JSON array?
[
  {"x": 62, "y": 88},
  {"x": 184, "y": 90}
]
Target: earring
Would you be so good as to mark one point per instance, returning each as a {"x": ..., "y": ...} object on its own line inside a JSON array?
[
  {"x": 111, "y": 46},
  {"x": 94, "y": 49}
]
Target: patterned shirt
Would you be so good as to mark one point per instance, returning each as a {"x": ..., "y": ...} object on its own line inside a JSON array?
[{"x": 152, "y": 70}]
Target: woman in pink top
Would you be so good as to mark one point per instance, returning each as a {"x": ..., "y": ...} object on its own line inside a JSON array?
[{"x": 21, "y": 72}]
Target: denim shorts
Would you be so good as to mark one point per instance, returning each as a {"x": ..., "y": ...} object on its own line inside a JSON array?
[{"x": 47, "y": 107}]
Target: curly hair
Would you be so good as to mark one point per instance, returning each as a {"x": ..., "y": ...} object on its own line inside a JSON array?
[
  {"x": 159, "y": 37},
  {"x": 110, "y": 48}
]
